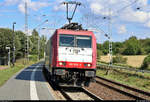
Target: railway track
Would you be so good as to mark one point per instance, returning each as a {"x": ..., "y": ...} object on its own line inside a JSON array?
[
  {"x": 118, "y": 91},
  {"x": 77, "y": 93},
  {"x": 123, "y": 89},
  {"x": 71, "y": 93}
]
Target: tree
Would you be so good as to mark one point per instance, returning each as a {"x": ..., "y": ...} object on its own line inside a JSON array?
[
  {"x": 146, "y": 63},
  {"x": 42, "y": 46},
  {"x": 35, "y": 33},
  {"x": 105, "y": 47},
  {"x": 117, "y": 47},
  {"x": 34, "y": 42},
  {"x": 22, "y": 39},
  {"x": 99, "y": 50},
  {"x": 6, "y": 40},
  {"x": 132, "y": 46},
  {"x": 145, "y": 45}
]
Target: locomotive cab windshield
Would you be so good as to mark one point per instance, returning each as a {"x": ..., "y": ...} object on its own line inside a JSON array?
[{"x": 81, "y": 41}]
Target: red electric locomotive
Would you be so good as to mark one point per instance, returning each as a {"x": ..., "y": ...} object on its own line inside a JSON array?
[{"x": 71, "y": 56}]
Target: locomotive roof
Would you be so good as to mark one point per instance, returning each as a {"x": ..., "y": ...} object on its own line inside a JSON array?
[{"x": 75, "y": 32}]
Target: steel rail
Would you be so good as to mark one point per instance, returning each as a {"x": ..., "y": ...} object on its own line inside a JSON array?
[
  {"x": 121, "y": 67},
  {"x": 78, "y": 89},
  {"x": 93, "y": 96},
  {"x": 62, "y": 90},
  {"x": 125, "y": 86}
]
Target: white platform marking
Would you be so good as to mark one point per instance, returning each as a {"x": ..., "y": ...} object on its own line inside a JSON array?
[{"x": 33, "y": 91}]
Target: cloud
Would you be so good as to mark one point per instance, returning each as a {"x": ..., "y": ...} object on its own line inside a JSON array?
[
  {"x": 32, "y": 5},
  {"x": 96, "y": 8},
  {"x": 142, "y": 2},
  {"x": 60, "y": 7},
  {"x": 11, "y": 2},
  {"x": 122, "y": 10},
  {"x": 99, "y": 9},
  {"x": 135, "y": 16},
  {"x": 122, "y": 29},
  {"x": 147, "y": 24}
]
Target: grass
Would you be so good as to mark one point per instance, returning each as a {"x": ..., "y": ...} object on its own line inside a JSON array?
[
  {"x": 134, "y": 61},
  {"x": 135, "y": 79},
  {"x": 5, "y": 74}
]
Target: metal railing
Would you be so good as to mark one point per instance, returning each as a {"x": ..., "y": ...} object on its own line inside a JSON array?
[{"x": 121, "y": 67}]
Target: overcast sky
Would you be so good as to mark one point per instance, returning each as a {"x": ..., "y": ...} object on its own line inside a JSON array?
[{"x": 128, "y": 17}]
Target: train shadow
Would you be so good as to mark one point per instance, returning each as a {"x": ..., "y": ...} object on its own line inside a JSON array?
[
  {"x": 27, "y": 72},
  {"x": 71, "y": 89}
]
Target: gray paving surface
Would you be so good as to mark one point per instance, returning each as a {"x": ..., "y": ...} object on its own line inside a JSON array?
[{"x": 18, "y": 87}]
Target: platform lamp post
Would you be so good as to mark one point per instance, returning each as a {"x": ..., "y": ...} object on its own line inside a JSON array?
[
  {"x": 13, "y": 43},
  {"x": 8, "y": 48}
]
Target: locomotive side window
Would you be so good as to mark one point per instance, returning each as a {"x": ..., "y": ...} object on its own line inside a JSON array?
[
  {"x": 84, "y": 41},
  {"x": 66, "y": 40}
]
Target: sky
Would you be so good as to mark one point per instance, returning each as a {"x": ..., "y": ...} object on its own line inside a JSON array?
[{"x": 120, "y": 19}]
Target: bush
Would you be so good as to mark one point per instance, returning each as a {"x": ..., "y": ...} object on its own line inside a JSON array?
[
  {"x": 19, "y": 55},
  {"x": 119, "y": 59},
  {"x": 33, "y": 57},
  {"x": 146, "y": 63}
]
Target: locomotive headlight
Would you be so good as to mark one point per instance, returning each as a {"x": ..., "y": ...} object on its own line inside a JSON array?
[
  {"x": 60, "y": 63},
  {"x": 89, "y": 65}
]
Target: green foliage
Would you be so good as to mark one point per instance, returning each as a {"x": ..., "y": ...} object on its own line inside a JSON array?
[
  {"x": 98, "y": 54},
  {"x": 105, "y": 47},
  {"x": 34, "y": 42},
  {"x": 21, "y": 37},
  {"x": 99, "y": 51},
  {"x": 145, "y": 45},
  {"x": 35, "y": 33},
  {"x": 132, "y": 46},
  {"x": 117, "y": 47},
  {"x": 146, "y": 63},
  {"x": 33, "y": 57},
  {"x": 6, "y": 40},
  {"x": 42, "y": 44},
  {"x": 119, "y": 59}
]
